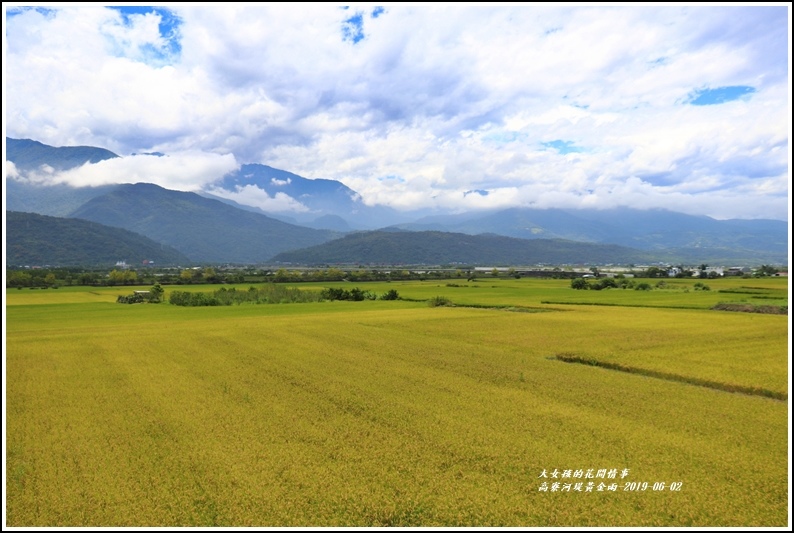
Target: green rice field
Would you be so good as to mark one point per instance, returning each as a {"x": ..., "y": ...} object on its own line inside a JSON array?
[{"x": 396, "y": 413}]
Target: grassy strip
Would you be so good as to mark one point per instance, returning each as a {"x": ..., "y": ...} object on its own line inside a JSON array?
[
  {"x": 750, "y": 308},
  {"x": 441, "y": 301},
  {"x": 760, "y": 297},
  {"x": 727, "y": 387},
  {"x": 761, "y": 288},
  {"x": 607, "y": 304},
  {"x": 756, "y": 294},
  {"x": 512, "y": 308}
]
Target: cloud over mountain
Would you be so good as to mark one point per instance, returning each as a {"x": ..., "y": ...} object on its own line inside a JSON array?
[{"x": 683, "y": 107}]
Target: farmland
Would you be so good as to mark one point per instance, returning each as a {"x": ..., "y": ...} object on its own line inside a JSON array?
[{"x": 382, "y": 413}]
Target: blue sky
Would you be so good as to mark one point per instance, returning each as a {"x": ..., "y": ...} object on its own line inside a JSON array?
[
  {"x": 682, "y": 107},
  {"x": 168, "y": 25},
  {"x": 720, "y": 95}
]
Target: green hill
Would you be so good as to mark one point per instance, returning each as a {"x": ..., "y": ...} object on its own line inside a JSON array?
[
  {"x": 33, "y": 239},
  {"x": 203, "y": 229},
  {"x": 436, "y": 247}
]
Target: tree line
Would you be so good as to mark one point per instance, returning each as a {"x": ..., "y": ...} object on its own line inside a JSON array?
[{"x": 74, "y": 276}]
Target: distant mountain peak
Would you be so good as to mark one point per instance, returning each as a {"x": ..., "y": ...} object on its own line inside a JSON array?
[{"x": 27, "y": 154}]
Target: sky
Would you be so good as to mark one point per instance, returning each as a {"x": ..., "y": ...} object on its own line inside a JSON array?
[{"x": 444, "y": 107}]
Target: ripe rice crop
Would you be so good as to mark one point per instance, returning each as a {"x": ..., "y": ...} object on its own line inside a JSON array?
[{"x": 389, "y": 413}]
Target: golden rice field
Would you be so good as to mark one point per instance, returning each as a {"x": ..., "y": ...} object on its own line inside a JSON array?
[{"x": 394, "y": 413}]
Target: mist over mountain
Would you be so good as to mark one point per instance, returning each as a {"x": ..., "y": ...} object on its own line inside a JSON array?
[
  {"x": 28, "y": 189},
  {"x": 309, "y": 199},
  {"x": 256, "y": 212}
]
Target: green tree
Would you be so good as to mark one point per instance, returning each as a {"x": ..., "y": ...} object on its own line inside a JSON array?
[
  {"x": 87, "y": 278},
  {"x": 130, "y": 277},
  {"x": 654, "y": 272},
  {"x": 18, "y": 278},
  {"x": 281, "y": 276},
  {"x": 334, "y": 274},
  {"x": 156, "y": 293},
  {"x": 209, "y": 275},
  {"x": 116, "y": 277}
]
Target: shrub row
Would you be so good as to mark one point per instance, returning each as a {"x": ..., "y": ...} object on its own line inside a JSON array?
[{"x": 272, "y": 294}]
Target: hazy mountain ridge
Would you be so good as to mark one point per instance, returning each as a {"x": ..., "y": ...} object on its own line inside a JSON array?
[
  {"x": 240, "y": 233},
  {"x": 28, "y": 154},
  {"x": 53, "y": 200},
  {"x": 654, "y": 229},
  {"x": 437, "y": 247},
  {"x": 203, "y": 229},
  {"x": 33, "y": 239}
]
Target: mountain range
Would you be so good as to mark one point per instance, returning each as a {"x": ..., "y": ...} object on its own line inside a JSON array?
[{"x": 206, "y": 227}]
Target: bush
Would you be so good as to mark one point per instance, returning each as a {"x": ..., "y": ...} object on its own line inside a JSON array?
[
  {"x": 579, "y": 284},
  {"x": 439, "y": 301},
  {"x": 390, "y": 295},
  {"x": 607, "y": 283},
  {"x": 642, "y": 287},
  {"x": 626, "y": 283},
  {"x": 192, "y": 299},
  {"x": 355, "y": 294},
  {"x": 131, "y": 299}
]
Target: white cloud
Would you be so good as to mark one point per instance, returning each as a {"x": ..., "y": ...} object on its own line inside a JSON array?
[
  {"x": 11, "y": 171},
  {"x": 185, "y": 171},
  {"x": 254, "y": 196},
  {"x": 433, "y": 101}
]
